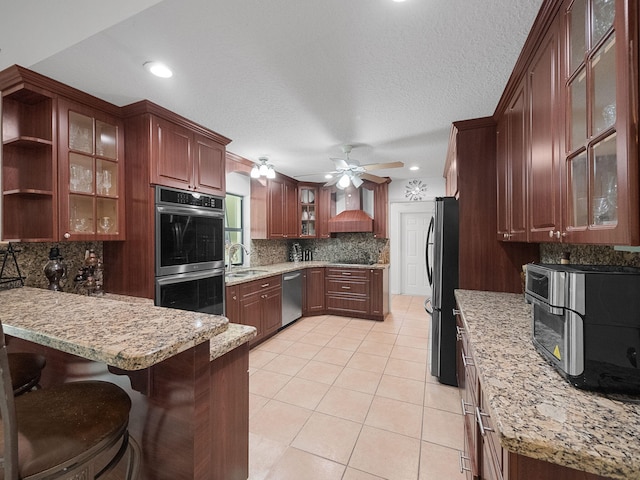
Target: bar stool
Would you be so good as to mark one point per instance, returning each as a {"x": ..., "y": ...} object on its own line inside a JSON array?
[
  {"x": 26, "y": 369},
  {"x": 74, "y": 430}
]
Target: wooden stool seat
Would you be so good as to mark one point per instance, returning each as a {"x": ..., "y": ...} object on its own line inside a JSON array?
[
  {"x": 72, "y": 431},
  {"x": 63, "y": 425},
  {"x": 25, "y": 369}
]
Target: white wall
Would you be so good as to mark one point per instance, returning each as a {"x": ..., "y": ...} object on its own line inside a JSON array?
[{"x": 435, "y": 188}]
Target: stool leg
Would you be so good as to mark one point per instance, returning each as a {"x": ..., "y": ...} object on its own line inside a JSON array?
[{"x": 133, "y": 464}]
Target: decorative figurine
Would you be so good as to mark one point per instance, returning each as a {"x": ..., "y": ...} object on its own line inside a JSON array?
[{"x": 55, "y": 270}]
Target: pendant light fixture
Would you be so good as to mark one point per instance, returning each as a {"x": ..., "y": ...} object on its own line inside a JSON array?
[{"x": 263, "y": 169}]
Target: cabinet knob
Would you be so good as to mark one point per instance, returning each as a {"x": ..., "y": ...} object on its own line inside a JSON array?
[
  {"x": 67, "y": 235},
  {"x": 234, "y": 297},
  {"x": 505, "y": 236},
  {"x": 550, "y": 233}
]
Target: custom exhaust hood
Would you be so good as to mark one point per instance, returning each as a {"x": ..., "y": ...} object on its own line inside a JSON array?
[
  {"x": 354, "y": 211},
  {"x": 351, "y": 221}
]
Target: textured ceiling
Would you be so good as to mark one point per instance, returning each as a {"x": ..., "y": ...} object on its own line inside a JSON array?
[{"x": 291, "y": 79}]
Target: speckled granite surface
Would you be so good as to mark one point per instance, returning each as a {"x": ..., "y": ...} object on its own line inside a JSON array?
[
  {"x": 537, "y": 413},
  {"x": 279, "y": 268},
  {"x": 127, "y": 335},
  {"x": 232, "y": 337}
]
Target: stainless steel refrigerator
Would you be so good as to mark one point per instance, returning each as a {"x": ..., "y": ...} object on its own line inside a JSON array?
[{"x": 441, "y": 252}]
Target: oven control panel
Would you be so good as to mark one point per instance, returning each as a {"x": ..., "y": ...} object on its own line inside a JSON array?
[{"x": 177, "y": 197}]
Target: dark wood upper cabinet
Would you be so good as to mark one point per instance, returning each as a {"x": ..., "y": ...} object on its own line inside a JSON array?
[
  {"x": 63, "y": 157},
  {"x": 380, "y": 210},
  {"x": 600, "y": 148},
  {"x": 579, "y": 71},
  {"x": 512, "y": 149},
  {"x": 29, "y": 163},
  {"x": 274, "y": 208},
  {"x": 544, "y": 167},
  {"x": 186, "y": 160},
  {"x": 178, "y": 153},
  {"x": 90, "y": 173}
]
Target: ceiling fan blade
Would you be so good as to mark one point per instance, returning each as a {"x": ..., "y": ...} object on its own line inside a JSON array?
[
  {"x": 373, "y": 178},
  {"x": 380, "y": 166},
  {"x": 332, "y": 182},
  {"x": 315, "y": 174},
  {"x": 340, "y": 163}
]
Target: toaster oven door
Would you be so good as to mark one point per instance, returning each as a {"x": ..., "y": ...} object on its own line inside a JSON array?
[{"x": 559, "y": 337}]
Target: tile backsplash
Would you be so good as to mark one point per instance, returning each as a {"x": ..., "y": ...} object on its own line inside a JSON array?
[
  {"x": 32, "y": 257},
  {"x": 588, "y": 255},
  {"x": 353, "y": 247}
]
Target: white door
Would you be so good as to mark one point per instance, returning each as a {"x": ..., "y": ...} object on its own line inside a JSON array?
[{"x": 414, "y": 229}]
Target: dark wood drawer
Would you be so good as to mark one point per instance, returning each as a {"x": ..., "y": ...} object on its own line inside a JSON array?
[
  {"x": 343, "y": 304},
  {"x": 346, "y": 287},
  {"x": 359, "y": 273},
  {"x": 263, "y": 284}
]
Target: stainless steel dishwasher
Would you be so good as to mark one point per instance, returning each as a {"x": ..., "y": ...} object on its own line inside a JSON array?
[{"x": 291, "y": 296}]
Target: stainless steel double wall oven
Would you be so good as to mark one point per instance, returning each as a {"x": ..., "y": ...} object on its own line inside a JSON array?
[{"x": 189, "y": 251}]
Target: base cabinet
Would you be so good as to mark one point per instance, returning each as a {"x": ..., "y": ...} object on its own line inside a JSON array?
[
  {"x": 357, "y": 292},
  {"x": 313, "y": 291},
  {"x": 483, "y": 457},
  {"x": 347, "y": 291},
  {"x": 260, "y": 306}
]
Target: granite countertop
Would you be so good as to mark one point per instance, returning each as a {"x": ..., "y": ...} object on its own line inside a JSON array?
[
  {"x": 537, "y": 413},
  {"x": 130, "y": 335},
  {"x": 264, "y": 271}
]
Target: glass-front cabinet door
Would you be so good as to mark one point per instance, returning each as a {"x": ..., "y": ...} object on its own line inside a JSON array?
[
  {"x": 91, "y": 174},
  {"x": 601, "y": 163},
  {"x": 308, "y": 212}
]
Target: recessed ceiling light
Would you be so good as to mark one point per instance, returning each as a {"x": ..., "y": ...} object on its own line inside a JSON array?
[
  {"x": 158, "y": 69},
  {"x": 414, "y": 168},
  {"x": 398, "y": 1},
  {"x": 328, "y": 176}
]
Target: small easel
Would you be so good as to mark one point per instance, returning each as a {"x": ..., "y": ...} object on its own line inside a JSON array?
[{"x": 8, "y": 252}]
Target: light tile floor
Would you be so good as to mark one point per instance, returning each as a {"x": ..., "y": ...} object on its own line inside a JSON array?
[{"x": 338, "y": 398}]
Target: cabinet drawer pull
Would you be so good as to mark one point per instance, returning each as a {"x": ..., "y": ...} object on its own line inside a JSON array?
[
  {"x": 346, "y": 273},
  {"x": 344, "y": 287},
  {"x": 466, "y": 361},
  {"x": 456, "y": 312},
  {"x": 483, "y": 428},
  {"x": 463, "y": 468},
  {"x": 264, "y": 285},
  {"x": 464, "y": 407},
  {"x": 459, "y": 332}
]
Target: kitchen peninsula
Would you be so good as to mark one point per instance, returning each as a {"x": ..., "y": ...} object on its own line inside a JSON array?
[
  {"x": 188, "y": 373},
  {"x": 542, "y": 426}
]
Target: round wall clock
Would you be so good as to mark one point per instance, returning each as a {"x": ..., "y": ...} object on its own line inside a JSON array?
[{"x": 415, "y": 190}]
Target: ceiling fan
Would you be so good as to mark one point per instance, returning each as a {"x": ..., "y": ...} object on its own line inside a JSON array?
[{"x": 351, "y": 171}]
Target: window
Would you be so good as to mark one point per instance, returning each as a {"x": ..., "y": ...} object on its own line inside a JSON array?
[{"x": 233, "y": 232}]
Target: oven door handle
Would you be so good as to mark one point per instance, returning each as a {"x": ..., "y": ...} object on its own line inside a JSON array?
[
  {"x": 544, "y": 305},
  {"x": 181, "y": 277},
  {"x": 189, "y": 211}
]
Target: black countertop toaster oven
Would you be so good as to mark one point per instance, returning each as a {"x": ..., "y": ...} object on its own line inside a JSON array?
[{"x": 586, "y": 323}]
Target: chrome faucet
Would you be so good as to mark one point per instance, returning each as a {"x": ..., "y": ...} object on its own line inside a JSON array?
[{"x": 232, "y": 248}]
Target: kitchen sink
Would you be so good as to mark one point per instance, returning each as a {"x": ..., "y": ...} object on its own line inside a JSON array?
[{"x": 244, "y": 273}]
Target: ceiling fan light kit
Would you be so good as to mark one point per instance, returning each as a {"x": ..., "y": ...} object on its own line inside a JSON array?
[
  {"x": 263, "y": 169},
  {"x": 352, "y": 172}
]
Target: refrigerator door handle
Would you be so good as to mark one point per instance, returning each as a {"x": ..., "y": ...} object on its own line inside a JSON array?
[
  {"x": 426, "y": 250},
  {"x": 427, "y": 306}
]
